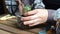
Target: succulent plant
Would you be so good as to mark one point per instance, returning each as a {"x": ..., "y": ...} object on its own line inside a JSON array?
[{"x": 27, "y": 8}]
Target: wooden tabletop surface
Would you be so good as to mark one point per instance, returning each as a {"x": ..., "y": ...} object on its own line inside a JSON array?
[{"x": 9, "y": 27}]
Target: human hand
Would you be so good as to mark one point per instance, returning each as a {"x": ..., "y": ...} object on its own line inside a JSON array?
[{"x": 35, "y": 17}]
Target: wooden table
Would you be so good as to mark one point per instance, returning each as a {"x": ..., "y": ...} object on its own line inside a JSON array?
[{"x": 10, "y": 27}]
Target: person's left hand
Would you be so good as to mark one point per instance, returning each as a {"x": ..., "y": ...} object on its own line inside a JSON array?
[{"x": 35, "y": 17}]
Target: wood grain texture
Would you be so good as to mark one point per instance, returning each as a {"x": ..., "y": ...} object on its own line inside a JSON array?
[
  {"x": 4, "y": 32},
  {"x": 13, "y": 23},
  {"x": 10, "y": 26},
  {"x": 13, "y": 30}
]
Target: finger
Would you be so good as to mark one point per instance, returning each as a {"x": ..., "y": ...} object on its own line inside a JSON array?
[
  {"x": 30, "y": 17},
  {"x": 30, "y": 13},
  {"x": 34, "y": 24},
  {"x": 31, "y": 22}
]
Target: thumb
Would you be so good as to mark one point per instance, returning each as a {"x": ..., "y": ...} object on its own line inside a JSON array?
[{"x": 30, "y": 13}]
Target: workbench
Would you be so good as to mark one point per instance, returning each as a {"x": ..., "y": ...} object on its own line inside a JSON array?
[{"x": 9, "y": 26}]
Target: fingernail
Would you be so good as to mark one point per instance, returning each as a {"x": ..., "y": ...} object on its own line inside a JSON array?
[{"x": 24, "y": 23}]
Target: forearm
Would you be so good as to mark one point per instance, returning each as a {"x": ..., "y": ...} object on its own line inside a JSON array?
[
  {"x": 50, "y": 19},
  {"x": 54, "y": 14}
]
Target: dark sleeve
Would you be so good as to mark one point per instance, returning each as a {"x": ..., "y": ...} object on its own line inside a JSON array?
[{"x": 50, "y": 19}]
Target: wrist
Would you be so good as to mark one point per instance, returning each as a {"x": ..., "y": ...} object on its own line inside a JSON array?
[{"x": 50, "y": 18}]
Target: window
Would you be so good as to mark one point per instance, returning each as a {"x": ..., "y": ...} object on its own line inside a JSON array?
[{"x": 11, "y": 6}]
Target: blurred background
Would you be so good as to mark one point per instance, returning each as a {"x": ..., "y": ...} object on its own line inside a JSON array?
[{"x": 8, "y": 6}]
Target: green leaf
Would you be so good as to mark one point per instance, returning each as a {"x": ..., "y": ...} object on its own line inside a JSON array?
[{"x": 27, "y": 8}]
